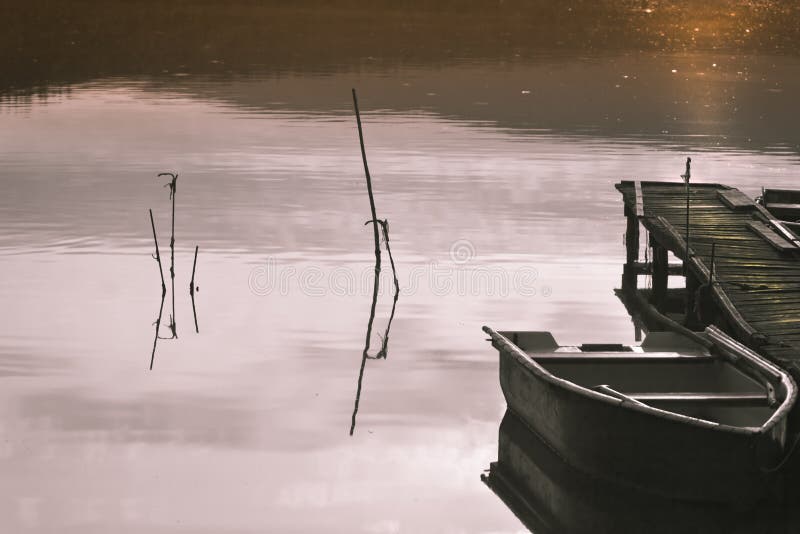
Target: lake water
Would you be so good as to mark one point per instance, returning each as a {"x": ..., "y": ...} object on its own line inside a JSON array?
[{"x": 496, "y": 172}]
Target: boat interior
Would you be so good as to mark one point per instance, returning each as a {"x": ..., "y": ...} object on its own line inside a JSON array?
[
  {"x": 782, "y": 203},
  {"x": 667, "y": 371}
]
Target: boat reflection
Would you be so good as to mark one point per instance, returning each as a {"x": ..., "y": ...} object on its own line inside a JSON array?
[{"x": 549, "y": 496}]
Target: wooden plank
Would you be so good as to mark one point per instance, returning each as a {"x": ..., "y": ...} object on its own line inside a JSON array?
[
  {"x": 780, "y": 226},
  {"x": 780, "y": 352},
  {"x": 728, "y": 399},
  {"x": 792, "y": 227},
  {"x": 736, "y": 200},
  {"x": 673, "y": 269},
  {"x": 783, "y": 206},
  {"x": 632, "y": 358},
  {"x": 607, "y": 390},
  {"x": 639, "y": 199},
  {"x": 757, "y": 285},
  {"x": 765, "y": 232},
  {"x": 677, "y": 245},
  {"x": 785, "y": 232},
  {"x": 751, "y": 336}
]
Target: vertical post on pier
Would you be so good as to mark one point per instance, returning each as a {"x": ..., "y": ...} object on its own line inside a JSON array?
[
  {"x": 686, "y": 177},
  {"x": 660, "y": 274},
  {"x": 629, "y": 275},
  {"x": 692, "y": 285}
]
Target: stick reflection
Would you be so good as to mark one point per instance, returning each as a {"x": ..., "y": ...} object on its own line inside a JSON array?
[
  {"x": 385, "y": 338},
  {"x": 157, "y": 256},
  {"x": 158, "y": 325},
  {"x": 365, "y": 353},
  {"x": 193, "y": 288},
  {"x": 173, "y": 186},
  {"x": 384, "y": 350}
]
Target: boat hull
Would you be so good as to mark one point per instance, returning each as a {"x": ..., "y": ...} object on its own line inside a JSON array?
[{"x": 659, "y": 455}]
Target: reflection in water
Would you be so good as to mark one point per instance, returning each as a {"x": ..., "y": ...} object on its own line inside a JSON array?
[
  {"x": 550, "y": 497},
  {"x": 157, "y": 256},
  {"x": 172, "y": 184},
  {"x": 365, "y": 353},
  {"x": 158, "y": 325},
  {"x": 384, "y": 224},
  {"x": 385, "y": 338},
  {"x": 383, "y": 352},
  {"x": 507, "y": 126},
  {"x": 193, "y": 288}
]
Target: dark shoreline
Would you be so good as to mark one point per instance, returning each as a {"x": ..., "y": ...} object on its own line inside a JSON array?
[{"x": 50, "y": 43}]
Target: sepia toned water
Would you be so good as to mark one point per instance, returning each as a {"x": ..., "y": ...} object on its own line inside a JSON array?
[{"x": 496, "y": 172}]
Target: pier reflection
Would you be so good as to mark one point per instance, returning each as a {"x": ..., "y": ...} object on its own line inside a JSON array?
[{"x": 551, "y": 497}]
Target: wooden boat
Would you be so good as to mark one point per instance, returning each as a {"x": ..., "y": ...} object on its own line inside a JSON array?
[
  {"x": 701, "y": 419},
  {"x": 784, "y": 204}
]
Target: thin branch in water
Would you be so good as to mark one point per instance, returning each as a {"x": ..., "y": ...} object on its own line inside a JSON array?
[
  {"x": 158, "y": 256},
  {"x": 385, "y": 227},
  {"x": 365, "y": 353},
  {"x": 369, "y": 187},
  {"x": 173, "y": 185},
  {"x": 192, "y": 288},
  {"x": 384, "y": 224}
]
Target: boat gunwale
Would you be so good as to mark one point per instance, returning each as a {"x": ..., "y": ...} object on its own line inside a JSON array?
[
  {"x": 779, "y": 413},
  {"x": 717, "y": 336}
]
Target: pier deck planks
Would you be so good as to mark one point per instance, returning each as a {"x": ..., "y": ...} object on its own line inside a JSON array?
[{"x": 761, "y": 280}]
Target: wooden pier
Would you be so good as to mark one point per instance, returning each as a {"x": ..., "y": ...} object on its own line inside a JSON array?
[{"x": 754, "y": 291}]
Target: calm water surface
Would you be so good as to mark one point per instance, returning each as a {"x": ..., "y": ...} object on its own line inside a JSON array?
[{"x": 498, "y": 182}]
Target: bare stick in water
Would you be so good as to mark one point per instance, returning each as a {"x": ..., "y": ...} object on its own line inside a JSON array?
[
  {"x": 365, "y": 353},
  {"x": 172, "y": 189},
  {"x": 158, "y": 256},
  {"x": 192, "y": 289},
  {"x": 385, "y": 229},
  {"x": 369, "y": 188}
]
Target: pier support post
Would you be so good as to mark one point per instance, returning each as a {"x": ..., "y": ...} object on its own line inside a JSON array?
[
  {"x": 692, "y": 285},
  {"x": 660, "y": 274},
  {"x": 629, "y": 276}
]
